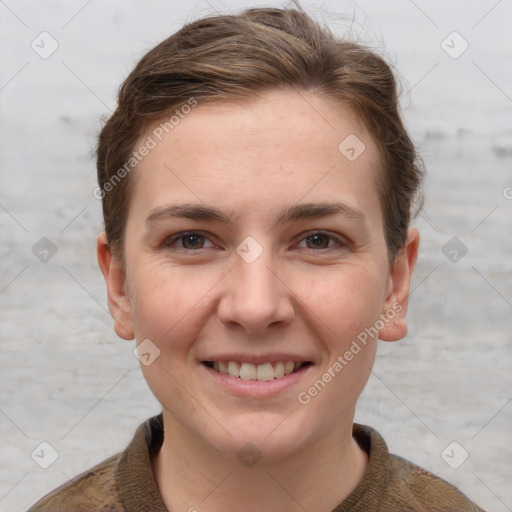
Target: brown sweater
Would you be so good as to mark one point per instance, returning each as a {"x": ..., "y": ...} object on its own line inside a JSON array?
[{"x": 126, "y": 482}]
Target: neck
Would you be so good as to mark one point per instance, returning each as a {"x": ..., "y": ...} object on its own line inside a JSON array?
[{"x": 193, "y": 476}]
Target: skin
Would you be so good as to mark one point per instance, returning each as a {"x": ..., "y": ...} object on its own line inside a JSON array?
[{"x": 195, "y": 297}]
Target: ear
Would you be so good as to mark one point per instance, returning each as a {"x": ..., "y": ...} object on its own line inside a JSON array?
[
  {"x": 118, "y": 300},
  {"x": 395, "y": 305}
]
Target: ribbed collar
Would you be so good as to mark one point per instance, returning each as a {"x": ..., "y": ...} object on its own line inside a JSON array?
[
  {"x": 139, "y": 490},
  {"x": 134, "y": 473},
  {"x": 368, "y": 494}
]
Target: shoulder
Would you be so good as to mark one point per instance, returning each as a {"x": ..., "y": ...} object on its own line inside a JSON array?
[
  {"x": 414, "y": 486},
  {"x": 93, "y": 490},
  {"x": 123, "y": 481},
  {"x": 393, "y": 483}
]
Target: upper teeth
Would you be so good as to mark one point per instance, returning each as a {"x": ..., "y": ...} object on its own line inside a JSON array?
[{"x": 249, "y": 371}]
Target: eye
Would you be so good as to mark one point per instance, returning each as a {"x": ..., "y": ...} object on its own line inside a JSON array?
[
  {"x": 320, "y": 240},
  {"x": 189, "y": 241}
]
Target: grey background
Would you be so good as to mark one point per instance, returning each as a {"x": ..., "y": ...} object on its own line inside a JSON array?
[{"x": 68, "y": 380}]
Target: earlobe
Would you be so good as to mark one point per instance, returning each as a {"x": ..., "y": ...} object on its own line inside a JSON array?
[
  {"x": 395, "y": 306},
  {"x": 118, "y": 300}
]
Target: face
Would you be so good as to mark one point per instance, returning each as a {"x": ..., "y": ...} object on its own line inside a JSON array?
[{"x": 254, "y": 246}]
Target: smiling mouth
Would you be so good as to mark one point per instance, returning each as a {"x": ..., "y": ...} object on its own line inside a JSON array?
[{"x": 262, "y": 372}]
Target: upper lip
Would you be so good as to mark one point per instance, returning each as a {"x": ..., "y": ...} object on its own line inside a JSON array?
[{"x": 257, "y": 359}]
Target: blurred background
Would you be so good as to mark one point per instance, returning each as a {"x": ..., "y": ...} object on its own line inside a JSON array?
[{"x": 440, "y": 398}]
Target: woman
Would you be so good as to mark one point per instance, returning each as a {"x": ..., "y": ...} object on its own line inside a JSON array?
[{"x": 257, "y": 186}]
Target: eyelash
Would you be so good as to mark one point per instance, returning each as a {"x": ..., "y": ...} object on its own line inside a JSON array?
[{"x": 169, "y": 243}]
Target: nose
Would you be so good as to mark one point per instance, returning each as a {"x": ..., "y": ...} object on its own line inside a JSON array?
[{"x": 256, "y": 296}]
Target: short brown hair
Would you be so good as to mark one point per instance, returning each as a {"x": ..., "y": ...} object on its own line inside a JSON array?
[{"x": 223, "y": 57}]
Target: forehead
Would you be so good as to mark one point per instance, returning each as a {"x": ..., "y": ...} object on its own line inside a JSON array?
[
  {"x": 281, "y": 116},
  {"x": 276, "y": 148}
]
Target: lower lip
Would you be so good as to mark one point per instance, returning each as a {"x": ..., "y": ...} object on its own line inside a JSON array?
[{"x": 256, "y": 388}]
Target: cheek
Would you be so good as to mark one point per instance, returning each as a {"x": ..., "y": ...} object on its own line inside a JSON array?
[
  {"x": 168, "y": 308},
  {"x": 346, "y": 301},
  {"x": 343, "y": 308},
  {"x": 168, "y": 303},
  {"x": 347, "y": 308}
]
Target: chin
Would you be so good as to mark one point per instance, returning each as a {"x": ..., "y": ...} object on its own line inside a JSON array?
[{"x": 264, "y": 436}]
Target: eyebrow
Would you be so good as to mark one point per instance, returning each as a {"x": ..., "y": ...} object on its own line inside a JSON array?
[{"x": 291, "y": 214}]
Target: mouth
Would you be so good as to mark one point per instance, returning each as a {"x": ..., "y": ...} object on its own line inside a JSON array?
[{"x": 262, "y": 372}]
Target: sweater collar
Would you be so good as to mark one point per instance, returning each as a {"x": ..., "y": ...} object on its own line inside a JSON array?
[
  {"x": 139, "y": 490},
  {"x": 370, "y": 490},
  {"x": 134, "y": 473}
]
